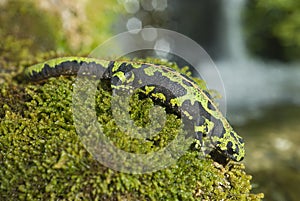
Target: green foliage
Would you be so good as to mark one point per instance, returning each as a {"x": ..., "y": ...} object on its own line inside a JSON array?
[
  {"x": 42, "y": 157},
  {"x": 272, "y": 28}
]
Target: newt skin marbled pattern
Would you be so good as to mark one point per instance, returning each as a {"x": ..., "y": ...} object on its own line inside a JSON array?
[{"x": 167, "y": 86}]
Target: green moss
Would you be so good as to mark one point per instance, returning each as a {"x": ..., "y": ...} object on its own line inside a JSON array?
[
  {"x": 88, "y": 25},
  {"x": 42, "y": 157},
  {"x": 23, "y": 20}
]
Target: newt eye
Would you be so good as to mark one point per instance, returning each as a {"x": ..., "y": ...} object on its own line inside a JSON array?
[
  {"x": 235, "y": 148},
  {"x": 232, "y": 151}
]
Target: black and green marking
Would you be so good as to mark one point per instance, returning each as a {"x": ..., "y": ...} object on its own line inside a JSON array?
[{"x": 164, "y": 85}]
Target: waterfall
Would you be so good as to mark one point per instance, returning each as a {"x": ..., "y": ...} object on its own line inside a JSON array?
[
  {"x": 234, "y": 43},
  {"x": 250, "y": 84}
]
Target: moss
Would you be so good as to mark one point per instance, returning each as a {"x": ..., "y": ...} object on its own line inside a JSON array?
[
  {"x": 42, "y": 157},
  {"x": 15, "y": 54},
  {"x": 23, "y": 20},
  {"x": 64, "y": 26}
]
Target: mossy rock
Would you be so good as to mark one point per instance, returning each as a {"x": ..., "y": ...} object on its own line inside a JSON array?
[
  {"x": 65, "y": 26},
  {"x": 24, "y": 21},
  {"x": 43, "y": 158}
]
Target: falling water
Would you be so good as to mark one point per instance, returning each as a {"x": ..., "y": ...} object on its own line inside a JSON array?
[
  {"x": 250, "y": 84},
  {"x": 234, "y": 43}
]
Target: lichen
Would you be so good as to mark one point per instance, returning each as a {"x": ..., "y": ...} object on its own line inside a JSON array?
[{"x": 42, "y": 156}]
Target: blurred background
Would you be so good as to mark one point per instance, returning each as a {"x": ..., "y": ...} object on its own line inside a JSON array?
[{"x": 254, "y": 44}]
